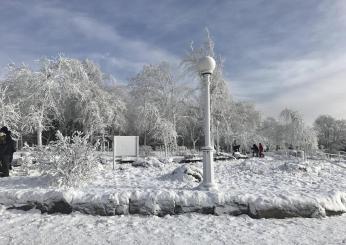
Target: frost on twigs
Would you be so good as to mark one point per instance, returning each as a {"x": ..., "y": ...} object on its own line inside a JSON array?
[{"x": 70, "y": 161}]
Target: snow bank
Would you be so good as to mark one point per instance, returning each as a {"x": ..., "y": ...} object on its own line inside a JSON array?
[
  {"x": 173, "y": 202},
  {"x": 185, "y": 173},
  {"x": 267, "y": 187}
]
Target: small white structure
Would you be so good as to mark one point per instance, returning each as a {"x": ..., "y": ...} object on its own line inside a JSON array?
[{"x": 125, "y": 146}]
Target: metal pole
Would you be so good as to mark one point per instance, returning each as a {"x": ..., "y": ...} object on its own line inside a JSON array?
[
  {"x": 208, "y": 165},
  {"x": 217, "y": 137},
  {"x": 114, "y": 153},
  {"x": 137, "y": 148}
]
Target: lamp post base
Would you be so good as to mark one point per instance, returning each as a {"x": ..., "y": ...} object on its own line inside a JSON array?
[
  {"x": 208, "y": 183},
  {"x": 207, "y": 187}
]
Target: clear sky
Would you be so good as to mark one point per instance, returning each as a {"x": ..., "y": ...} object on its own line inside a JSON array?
[{"x": 278, "y": 53}]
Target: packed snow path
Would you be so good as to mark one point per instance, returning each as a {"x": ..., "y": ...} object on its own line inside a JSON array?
[
  {"x": 273, "y": 187},
  {"x": 32, "y": 227}
]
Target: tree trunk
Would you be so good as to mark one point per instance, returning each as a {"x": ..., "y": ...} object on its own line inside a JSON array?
[
  {"x": 175, "y": 137},
  {"x": 166, "y": 149},
  {"x": 103, "y": 142},
  {"x": 39, "y": 134},
  {"x": 194, "y": 144}
]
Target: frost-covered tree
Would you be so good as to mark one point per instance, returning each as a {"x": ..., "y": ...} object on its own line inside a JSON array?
[
  {"x": 219, "y": 91},
  {"x": 85, "y": 103},
  {"x": 102, "y": 108},
  {"x": 145, "y": 120},
  {"x": 309, "y": 139},
  {"x": 65, "y": 94},
  {"x": 341, "y": 125},
  {"x": 34, "y": 92},
  {"x": 289, "y": 131},
  {"x": 325, "y": 127},
  {"x": 221, "y": 109},
  {"x": 10, "y": 114},
  {"x": 331, "y": 133},
  {"x": 166, "y": 133},
  {"x": 293, "y": 127},
  {"x": 156, "y": 97},
  {"x": 190, "y": 126},
  {"x": 295, "y": 133},
  {"x": 245, "y": 123},
  {"x": 270, "y": 129}
]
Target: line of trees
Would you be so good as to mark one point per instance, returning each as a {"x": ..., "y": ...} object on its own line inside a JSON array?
[
  {"x": 64, "y": 94},
  {"x": 331, "y": 133},
  {"x": 68, "y": 94}
]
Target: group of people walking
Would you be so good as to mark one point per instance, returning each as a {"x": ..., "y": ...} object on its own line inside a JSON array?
[
  {"x": 257, "y": 151},
  {"x": 7, "y": 148}
]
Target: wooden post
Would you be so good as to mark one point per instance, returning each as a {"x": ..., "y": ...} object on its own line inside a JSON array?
[
  {"x": 114, "y": 152},
  {"x": 137, "y": 147}
]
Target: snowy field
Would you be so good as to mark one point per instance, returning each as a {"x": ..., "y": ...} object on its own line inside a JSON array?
[
  {"x": 265, "y": 187},
  {"x": 32, "y": 227},
  {"x": 273, "y": 187}
]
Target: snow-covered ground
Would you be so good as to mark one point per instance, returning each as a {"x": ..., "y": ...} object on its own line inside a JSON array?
[
  {"x": 32, "y": 227},
  {"x": 261, "y": 187},
  {"x": 274, "y": 186}
]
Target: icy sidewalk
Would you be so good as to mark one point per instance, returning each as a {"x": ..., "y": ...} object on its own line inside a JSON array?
[
  {"x": 260, "y": 188},
  {"x": 31, "y": 227}
]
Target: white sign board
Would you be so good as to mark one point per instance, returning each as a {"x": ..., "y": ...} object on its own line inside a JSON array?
[{"x": 125, "y": 146}]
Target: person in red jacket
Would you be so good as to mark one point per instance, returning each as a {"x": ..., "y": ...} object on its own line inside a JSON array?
[{"x": 260, "y": 150}]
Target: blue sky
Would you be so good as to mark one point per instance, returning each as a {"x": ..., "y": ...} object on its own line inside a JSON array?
[{"x": 278, "y": 54}]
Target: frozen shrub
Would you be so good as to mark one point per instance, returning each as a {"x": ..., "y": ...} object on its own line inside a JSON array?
[
  {"x": 182, "y": 151},
  {"x": 185, "y": 173},
  {"x": 145, "y": 150},
  {"x": 70, "y": 161},
  {"x": 26, "y": 161}
]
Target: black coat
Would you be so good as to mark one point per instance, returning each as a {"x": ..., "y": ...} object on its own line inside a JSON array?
[
  {"x": 8, "y": 147},
  {"x": 4, "y": 149}
]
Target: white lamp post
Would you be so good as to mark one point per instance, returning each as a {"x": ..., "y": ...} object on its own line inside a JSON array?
[{"x": 206, "y": 67}]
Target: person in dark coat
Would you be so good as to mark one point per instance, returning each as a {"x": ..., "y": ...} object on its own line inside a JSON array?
[
  {"x": 260, "y": 150},
  {"x": 254, "y": 150},
  {"x": 4, "y": 167},
  {"x": 12, "y": 147},
  {"x": 235, "y": 146},
  {"x": 7, "y": 148}
]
